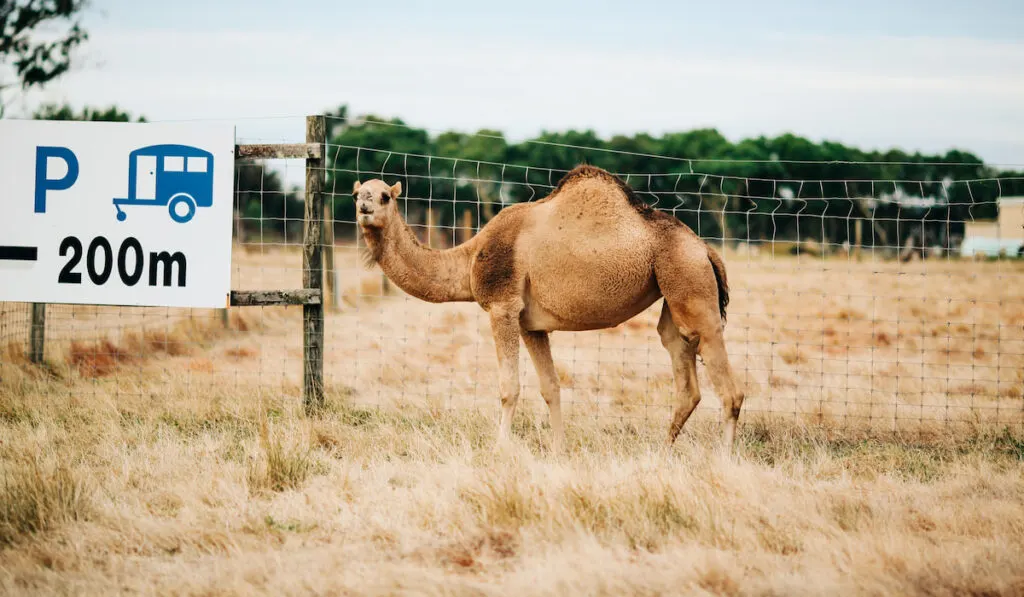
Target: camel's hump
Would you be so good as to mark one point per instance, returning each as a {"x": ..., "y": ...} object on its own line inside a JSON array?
[{"x": 585, "y": 172}]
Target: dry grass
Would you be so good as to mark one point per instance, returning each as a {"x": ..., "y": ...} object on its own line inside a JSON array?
[
  {"x": 183, "y": 464},
  {"x": 200, "y": 493},
  {"x": 241, "y": 352},
  {"x": 102, "y": 357},
  {"x": 277, "y": 466},
  {"x": 37, "y": 497}
]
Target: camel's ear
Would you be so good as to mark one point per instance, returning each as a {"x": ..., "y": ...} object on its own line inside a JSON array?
[
  {"x": 396, "y": 190},
  {"x": 355, "y": 187}
]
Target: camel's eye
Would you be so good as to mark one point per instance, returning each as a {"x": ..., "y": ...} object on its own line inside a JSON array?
[{"x": 384, "y": 198}]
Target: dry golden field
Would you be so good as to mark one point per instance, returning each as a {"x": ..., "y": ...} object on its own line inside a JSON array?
[{"x": 882, "y": 446}]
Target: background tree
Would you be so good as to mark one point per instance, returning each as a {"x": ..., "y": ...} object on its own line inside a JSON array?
[
  {"x": 476, "y": 176},
  {"x": 369, "y": 147},
  {"x": 66, "y": 112},
  {"x": 264, "y": 207},
  {"x": 28, "y": 59}
]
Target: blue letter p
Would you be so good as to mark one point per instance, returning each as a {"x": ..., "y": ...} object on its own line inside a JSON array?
[{"x": 44, "y": 184}]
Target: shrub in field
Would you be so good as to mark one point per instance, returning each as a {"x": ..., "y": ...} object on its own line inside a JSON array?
[
  {"x": 278, "y": 466},
  {"x": 36, "y": 498}
]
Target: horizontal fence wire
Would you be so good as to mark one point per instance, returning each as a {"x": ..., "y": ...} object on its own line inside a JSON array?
[
  {"x": 855, "y": 303},
  {"x": 892, "y": 305}
]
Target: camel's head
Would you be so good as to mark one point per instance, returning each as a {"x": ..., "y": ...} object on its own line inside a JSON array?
[{"x": 375, "y": 202}]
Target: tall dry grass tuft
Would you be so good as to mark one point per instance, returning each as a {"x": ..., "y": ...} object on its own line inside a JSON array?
[
  {"x": 279, "y": 466},
  {"x": 37, "y": 497}
]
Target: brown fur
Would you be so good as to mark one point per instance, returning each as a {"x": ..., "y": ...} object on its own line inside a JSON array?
[
  {"x": 584, "y": 171},
  {"x": 590, "y": 255}
]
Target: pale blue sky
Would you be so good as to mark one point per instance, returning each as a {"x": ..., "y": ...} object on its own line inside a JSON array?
[
  {"x": 919, "y": 75},
  {"x": 643, "y": 20}
]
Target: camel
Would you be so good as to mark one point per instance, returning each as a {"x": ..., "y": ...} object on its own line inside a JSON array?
[{"x": 590, "y": 255}]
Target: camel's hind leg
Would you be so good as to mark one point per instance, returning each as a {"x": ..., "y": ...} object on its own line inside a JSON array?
[
  {"x": 683, "y": 351},
  {"x": 689, "y": 286},
  {"x": 538, "y": 344},
  {"x": 505, "y": 329},
  {"x": 712, "y": 350}
]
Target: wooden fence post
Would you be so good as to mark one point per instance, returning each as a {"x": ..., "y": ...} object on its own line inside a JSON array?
[
  {"x": 858, "y": 235},
  {"x": 37, "y": 333},
  {"x": 467, "y": 226},
  {"x": 331, "y": 298},
  {"x": 313, "y": 270},
  {"x": 431, "y": 222}
]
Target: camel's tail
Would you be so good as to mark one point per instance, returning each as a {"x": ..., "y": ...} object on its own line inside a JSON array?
[{"x": 723, "y": 283}]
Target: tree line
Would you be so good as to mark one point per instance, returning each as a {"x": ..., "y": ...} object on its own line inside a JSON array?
[{"x": 783, "y": 188}]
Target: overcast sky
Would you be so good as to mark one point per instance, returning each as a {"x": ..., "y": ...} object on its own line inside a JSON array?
[{"x": 920, "y": 75}]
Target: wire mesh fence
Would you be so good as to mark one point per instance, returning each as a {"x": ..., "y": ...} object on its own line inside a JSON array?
[
  {"x": 891, "y": 304},
  {"x": 149, "y": 351},
  {"x": 855, "y": 303}
]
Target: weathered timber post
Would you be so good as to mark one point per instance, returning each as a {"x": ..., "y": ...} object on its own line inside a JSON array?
[
  {"x": 313, "y": 269},
  {"x": 858, "y": 234},
  {"x": 431, "y": 222},
  {"x": 331, "y": 297},
  {"x": 467, "y": 226},
  {"x": 37, "y": 333}
]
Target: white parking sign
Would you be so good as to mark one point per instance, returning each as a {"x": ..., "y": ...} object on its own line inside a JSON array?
[{"x": 116, "y": 213}]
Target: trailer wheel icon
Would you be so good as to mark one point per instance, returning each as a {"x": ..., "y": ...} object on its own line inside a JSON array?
[
  {"x": 177, "y": 176},
  {"x": 174, "y": 207}
]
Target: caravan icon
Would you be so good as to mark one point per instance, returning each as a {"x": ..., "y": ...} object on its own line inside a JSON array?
[{"x": 177, "y": 176}]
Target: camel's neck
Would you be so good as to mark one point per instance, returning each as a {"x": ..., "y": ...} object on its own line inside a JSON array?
[{"x": 437, "y": 276}]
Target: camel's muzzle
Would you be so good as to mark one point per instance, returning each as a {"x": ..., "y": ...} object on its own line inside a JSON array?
[{"x": 365, "y": 218}]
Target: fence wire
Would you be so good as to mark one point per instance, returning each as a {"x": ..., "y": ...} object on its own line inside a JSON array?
[
  {"x": 151, "y": 352},
  {"x": 855, "y": 303},
  {"x": 884, "y": 304}
]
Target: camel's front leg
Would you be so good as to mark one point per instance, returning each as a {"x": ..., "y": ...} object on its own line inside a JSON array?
[{"x": 505, "y": 329}]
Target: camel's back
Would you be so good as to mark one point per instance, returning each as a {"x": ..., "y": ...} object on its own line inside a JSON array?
[
  {"x": 589, "y": 249},
  {"x": 590, "y": 212}
]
